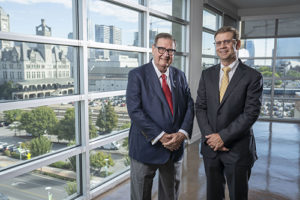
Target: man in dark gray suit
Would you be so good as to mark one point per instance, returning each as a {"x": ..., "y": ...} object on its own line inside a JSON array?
[
  {"x": 161, "y": 109},
  {"x": 228, "y": 103}
]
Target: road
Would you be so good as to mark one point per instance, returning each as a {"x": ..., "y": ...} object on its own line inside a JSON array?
[{"x": 32, "y": 187}]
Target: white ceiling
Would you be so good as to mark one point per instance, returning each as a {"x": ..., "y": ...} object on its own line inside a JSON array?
[{"x": 246, "y": 4}]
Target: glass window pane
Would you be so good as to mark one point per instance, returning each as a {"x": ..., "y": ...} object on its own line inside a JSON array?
[
  {"x": 107, "y": 27},
  {"x": 256, "y": 48},
  {"x": 158, "y": 25},
  {"x": 55, "y": 181},
  {"x": 209, "y": 62},
  {"x": 29, "y": 70},
  {"x": 179, "y": 62},
  {"x": 288, "y": 47},
  {"x": 288, "y": 68},
  {"x": 258, "y": 28},
  {"x": 108, "y": 69},
  {"x": 108, "y": 116},
  {"x": 265, "y": 108},
  {"x": 108, "y": 161},
  {"x": 289, "y": 26},
  {"x": 208, "y": 47},
  {"x": 287, "y": 109},
  {"x": 33, "y": 132},
  {"x": 46, "y": 18},
  {"x": 211, "y": 20},
  {"x": 176, "y": 8}
]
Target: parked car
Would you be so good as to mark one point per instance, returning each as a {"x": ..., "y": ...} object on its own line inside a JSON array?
[
  {"x": 111, "y": 146},
  {"x": 3, "y": 145}
]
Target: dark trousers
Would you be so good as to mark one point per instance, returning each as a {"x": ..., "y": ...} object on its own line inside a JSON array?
[
  {"x": 141, "y": 180},
  {"x": 218, "y": 171}
]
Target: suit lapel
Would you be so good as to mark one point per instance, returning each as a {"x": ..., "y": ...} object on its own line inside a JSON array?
[
  {"x": 215, "y": 84},
  {"x": 154, "y": 82},
  {"x": 237, "y": 76},
  {"x": 174, "y": 91}
]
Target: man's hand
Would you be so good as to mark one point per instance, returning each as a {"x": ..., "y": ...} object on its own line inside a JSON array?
[
  {"x": 175, "y": 141},
  {"x": 165, "y": 138},
  {"x": 215, "y": 142}
]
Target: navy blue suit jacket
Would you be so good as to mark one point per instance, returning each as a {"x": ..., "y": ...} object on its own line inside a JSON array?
[{"x": 150, "y": 113}]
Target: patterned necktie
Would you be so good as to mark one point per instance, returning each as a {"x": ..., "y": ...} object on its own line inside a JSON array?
[
  {"x": 224, "y": 82},
  {"x": 167, "y": 92}
]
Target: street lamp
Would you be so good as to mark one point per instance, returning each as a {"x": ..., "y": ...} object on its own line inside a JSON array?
[
  {"x": 49, "y": 193},
  {"x": 106, "y": 167}
]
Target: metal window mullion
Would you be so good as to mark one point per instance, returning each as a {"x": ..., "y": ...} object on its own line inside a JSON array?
[
  {"x": 29, "y": 166},
  {"x": 38, "y": 102},
  {"x": 146, "y": 29},
  {"x": 273, "y": 71},
  {"x": 83, "y": 106},
  {"x": 38, "y": 39},
  {"x": 126, "y": 4}
]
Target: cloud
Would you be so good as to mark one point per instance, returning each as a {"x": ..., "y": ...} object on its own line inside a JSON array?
[
  {"x": 66, "y": 3},
  {"x": 120, "y": 13}
]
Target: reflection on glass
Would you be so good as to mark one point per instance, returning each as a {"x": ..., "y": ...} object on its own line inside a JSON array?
[
  {"x": 108, "y": 116},
  {"x": 256, "y": 48},
  {"x": 108, "y": 69},
  {"x": 211, "y": 20},
  {"x": 105, "y": 26},
  {"x": 208, "y": 47},
  {"x": 108, "y": 160},
  {"x": 158, "y": 25},
  {"x": 32, "y": 132},
  {"x": 54, "y": 16},
  {"x": 175, "y": 8},
  {"x": 29, "y": 70},
  {"x": 55, "y": 181},
  {"x": 288, "y": 47}
]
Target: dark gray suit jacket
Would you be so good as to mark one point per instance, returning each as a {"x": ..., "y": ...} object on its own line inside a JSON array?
[{"x": 234, "y": 116}]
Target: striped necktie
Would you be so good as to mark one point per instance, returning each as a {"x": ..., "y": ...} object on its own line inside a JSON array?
[{"x": 224, "y": 82}]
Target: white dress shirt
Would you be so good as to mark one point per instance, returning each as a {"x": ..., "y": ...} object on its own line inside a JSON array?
[{"x": 167, "y": 73}]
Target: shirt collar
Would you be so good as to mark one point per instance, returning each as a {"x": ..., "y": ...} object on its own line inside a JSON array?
[
  {"x": 232, "y": 65},
  {"x": 158, "y": 73}
]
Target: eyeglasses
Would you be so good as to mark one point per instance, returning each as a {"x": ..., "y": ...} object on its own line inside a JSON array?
[
  {"x": 162, "y": 50},
  {"x": 225, "y": 42}
]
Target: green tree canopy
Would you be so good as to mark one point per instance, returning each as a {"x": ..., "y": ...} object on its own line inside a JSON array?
[
  {"x": 99, "y": 160},
  {"x": 13, "y": 115},
  {"x": 107, "y": 119},
  {"x": 39, "y": 146},
  {"x": 39, "y": 121},
  {"x": 66, "y": 127}
]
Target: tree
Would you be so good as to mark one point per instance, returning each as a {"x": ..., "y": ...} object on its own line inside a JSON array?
[
  {"x": 66, "y": 127},
  {"x": 6, "y": 90},
  {"x": 107, "y": 119},
  {"x": 39, "y": 146},
  {"x": 99, "y": 160},
  {"x": 39, "y": 121},
  {"x": 13, "y": 115}
]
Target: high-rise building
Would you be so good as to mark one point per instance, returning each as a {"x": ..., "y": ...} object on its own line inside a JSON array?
[{"x": 115, "y": 34}]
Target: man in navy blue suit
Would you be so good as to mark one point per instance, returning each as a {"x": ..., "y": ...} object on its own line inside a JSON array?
[{"x": 161, "y": 109}]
